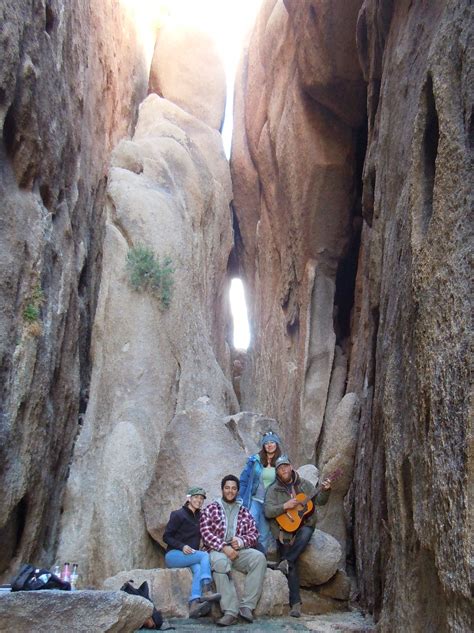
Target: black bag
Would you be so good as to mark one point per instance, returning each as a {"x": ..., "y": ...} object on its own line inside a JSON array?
[
  {"x": 144, "y": 592},
  {"x": 35, "y": 578}
]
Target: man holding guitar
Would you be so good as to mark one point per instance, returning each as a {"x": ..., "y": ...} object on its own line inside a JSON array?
[{"x": 289, "y": 504}]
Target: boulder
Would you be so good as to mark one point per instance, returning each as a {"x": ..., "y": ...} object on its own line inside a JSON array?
[
  {"x": 310, "y": 473},
  {"x": 248, "y": 428},
  {"x": 319, "y": 561},
  {"x": 170, "y": 588},
  {"x": 75, "y": 611},
  {"x": 337, "y": 587},
  {"x": 316, "y": 604},
  {"x": 187, "y": 70}
]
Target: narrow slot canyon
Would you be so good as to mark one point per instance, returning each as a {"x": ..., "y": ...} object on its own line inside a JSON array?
[{"x": 221, "y": 220}]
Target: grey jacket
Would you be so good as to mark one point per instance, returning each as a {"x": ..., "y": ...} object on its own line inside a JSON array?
[{"x": 279, "y": 493}]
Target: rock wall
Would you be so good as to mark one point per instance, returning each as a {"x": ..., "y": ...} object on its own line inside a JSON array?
[
  {"x": 72, "y": 75},
  {"x": 411, "y": 329},
  {"x": 168, "y": 189},
  {"x": 300, "y": 100},
  {"x": 361, "y": 334}
]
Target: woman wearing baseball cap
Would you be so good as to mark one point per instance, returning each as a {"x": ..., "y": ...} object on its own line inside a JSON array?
[{"x": 183, "y": 539}]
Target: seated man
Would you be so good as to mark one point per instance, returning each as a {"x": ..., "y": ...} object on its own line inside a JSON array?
[
  {"x": 229, "y": 533},
  {"x": 279, "y": 498}
]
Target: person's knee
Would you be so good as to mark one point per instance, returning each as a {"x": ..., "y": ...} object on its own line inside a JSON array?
[{"x": 221, "y": 565}]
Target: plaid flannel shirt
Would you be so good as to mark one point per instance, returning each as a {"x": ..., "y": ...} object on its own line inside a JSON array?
[{"x": 213, "y": 526}]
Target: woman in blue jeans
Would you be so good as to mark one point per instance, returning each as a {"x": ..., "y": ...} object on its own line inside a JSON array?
[
  {"x": 258, "y": 474},
  {"x": 183, "y": 539}
]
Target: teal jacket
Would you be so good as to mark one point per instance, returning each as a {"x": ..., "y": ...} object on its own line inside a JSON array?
[{"x": 250, "y": 479}]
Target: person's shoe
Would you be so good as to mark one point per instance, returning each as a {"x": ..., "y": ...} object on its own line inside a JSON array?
[
  {"x": 246, "y": 614},
  {"x": 295, "y": 610},
  {"x": 198, "y": 608},
  {"x": 283, "y": 566},
  {"x": 227, "y": 620},
  {"x": 207, "y": 594}
]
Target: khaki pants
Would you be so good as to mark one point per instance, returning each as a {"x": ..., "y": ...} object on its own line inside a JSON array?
[{"x": 252, "y": 563}]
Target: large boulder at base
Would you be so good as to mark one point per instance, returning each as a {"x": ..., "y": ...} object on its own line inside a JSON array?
[
  {"x": 187, "y": 70},
  {"x": 199, "y": 448},
  {"x": 75, "y": 611},
  {"x": 170, "y": 588},
  {"x": 338, "y": 587},
  {"x": 319, "y": 561}
]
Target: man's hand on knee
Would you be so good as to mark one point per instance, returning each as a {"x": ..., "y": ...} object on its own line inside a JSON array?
[{"x": 230, "y": 552}]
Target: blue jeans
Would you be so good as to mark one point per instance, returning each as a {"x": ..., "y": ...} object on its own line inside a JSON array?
[
  {"x": 198, "y": 562},
  {"x": 256, "y": 510}
]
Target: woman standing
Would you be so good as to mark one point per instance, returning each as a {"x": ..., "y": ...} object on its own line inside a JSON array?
[
  {"x": 183, "y": 539},
  {"x": 258, "y": 474}
]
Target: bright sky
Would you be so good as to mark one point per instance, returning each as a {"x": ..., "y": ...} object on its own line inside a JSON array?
[{"x": 239, "y": 313}]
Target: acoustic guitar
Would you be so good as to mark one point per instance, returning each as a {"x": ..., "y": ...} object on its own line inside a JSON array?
[{"x": 291, "y": 520}]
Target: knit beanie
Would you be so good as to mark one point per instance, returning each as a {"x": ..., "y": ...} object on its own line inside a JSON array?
[{"x": 270, "y": 436}]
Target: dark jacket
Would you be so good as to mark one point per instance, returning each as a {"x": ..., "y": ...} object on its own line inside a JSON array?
[
  {"x": 183, "y": 529},
  {"x": 279, "y": 493}
]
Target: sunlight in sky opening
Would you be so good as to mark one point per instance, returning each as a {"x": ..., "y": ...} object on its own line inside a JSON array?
[
  {"x": 228, "y": 22},
  {"x": 238, "y": 308}
]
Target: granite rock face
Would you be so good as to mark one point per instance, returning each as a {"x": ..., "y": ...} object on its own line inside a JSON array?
[
  {"x": 294, "y": 169},
  {"x": 75, "y": 611},
  {"x": 72, "y": 75},
  {"x": 412, "y": 478},
  {"x": 359, "y": 295},
  {"x": 187, "y": 70},
  {"x": 169, "y": 190}
]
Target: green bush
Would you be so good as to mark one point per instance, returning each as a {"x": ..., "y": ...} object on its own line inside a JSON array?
[
  {"x": 31, "y": 313},
  {"x": 146, "y": 273}
]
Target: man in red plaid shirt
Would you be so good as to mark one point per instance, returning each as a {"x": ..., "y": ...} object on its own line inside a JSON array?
[{"x": 229, "y": 533}]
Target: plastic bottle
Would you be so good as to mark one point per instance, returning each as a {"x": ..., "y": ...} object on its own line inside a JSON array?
[
  {"x": 74, "y": 577},
  {"x": 56, "y": 571},
  {"x": 66, "y": 573}
]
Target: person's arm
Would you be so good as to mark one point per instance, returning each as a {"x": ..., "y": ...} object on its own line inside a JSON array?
[
  {"x": 207, "y": 524},
  {"x": 171, "y": 535},
  {"x": 245, "y": 477},
  {"x": 272, "y": 506}
]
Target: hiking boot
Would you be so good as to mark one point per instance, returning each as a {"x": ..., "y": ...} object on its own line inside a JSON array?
[
  {"x": 207, "y": 594},
  {"x": 283, "y": 566},
  {"x": 227, "y": 620},
  {"x": 295, "y": 610},
  {"x": 246, "y": 614},
  {"x": 198, "y": 609}
]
